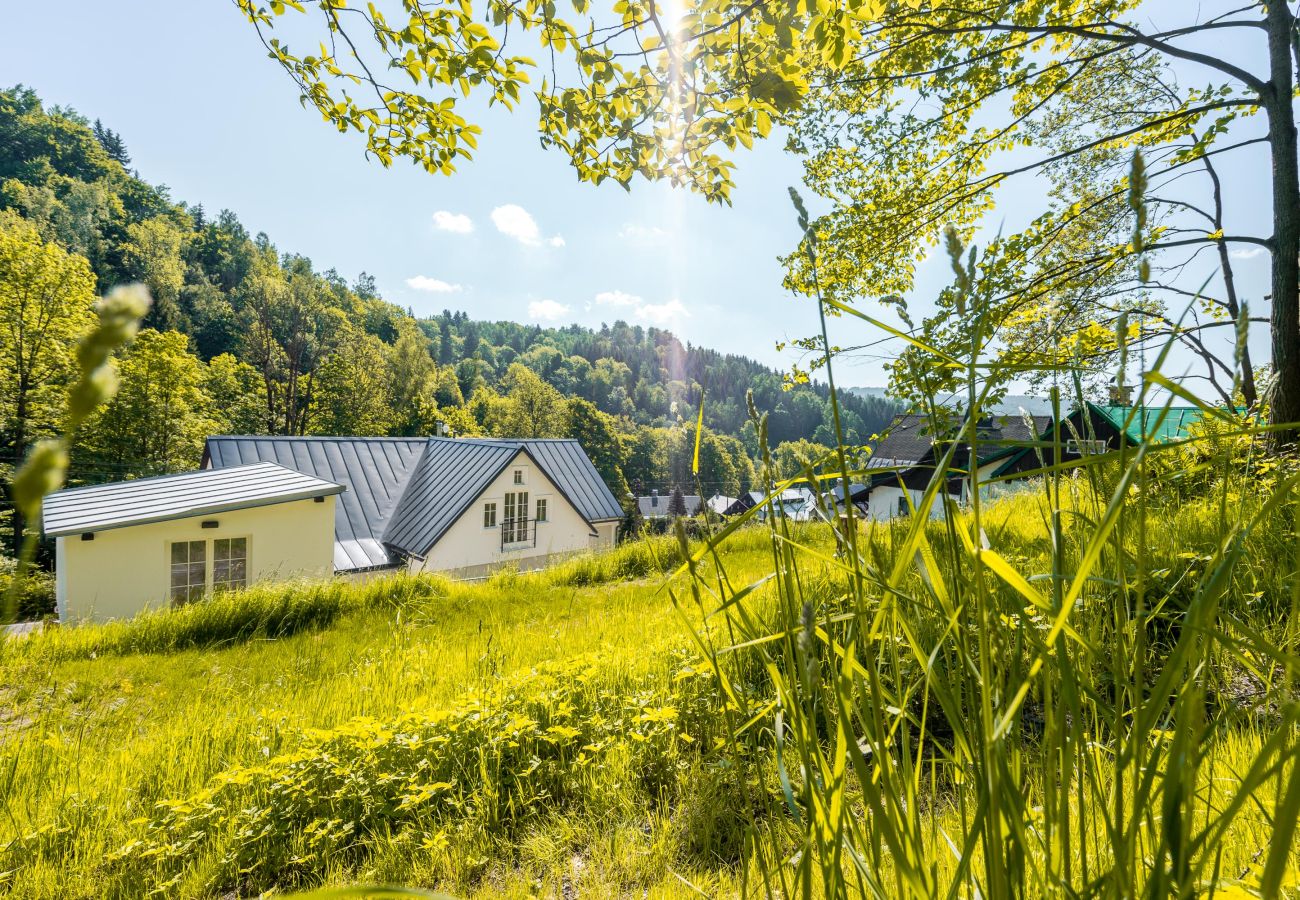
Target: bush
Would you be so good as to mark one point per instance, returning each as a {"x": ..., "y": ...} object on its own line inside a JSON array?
[{"x": 36, "y": 600}]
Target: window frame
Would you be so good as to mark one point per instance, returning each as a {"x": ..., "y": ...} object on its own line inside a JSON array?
[
  {"x": 540, "y": 509},
  {"x": 229, "y": 584},
  {"x": 490, "y": 514},
  {"x": 1087, "y": 446},
  {"x": 519, "y": 476},
  {"x": 190, "y": 590}
]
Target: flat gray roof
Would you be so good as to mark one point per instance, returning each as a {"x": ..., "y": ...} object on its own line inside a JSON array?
[{"x": 167, "y": 497}]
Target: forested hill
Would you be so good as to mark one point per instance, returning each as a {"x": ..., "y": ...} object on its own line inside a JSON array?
[{"x": 245, "y": 337}]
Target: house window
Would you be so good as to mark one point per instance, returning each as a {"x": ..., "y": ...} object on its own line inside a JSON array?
[
  {"x": 519, "y": 476},
  {"x": 540, "y": 515},
  {"x": 903, "y": 508},
  {"x": 229, "y": 564},
  {"x": 489, "y": 515},
  {"x": 1086, "y": 447},
  {"x": 515, "y": 524},
  {"x": 189, "y": 570}
]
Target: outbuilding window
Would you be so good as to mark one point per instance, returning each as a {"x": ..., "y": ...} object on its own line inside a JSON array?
[
  {"x": 1087, "y": 447},
  {"x": 229, "y": 564},
  {"x": 189, "y": 570}
]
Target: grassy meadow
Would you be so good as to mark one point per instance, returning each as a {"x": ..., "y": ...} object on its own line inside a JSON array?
[
  {"x": 777, "y": 716},
  {"x": 103, "y": 723}
]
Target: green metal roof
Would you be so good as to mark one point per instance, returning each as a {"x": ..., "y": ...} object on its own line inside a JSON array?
[{"x": 1156, "y": 424}]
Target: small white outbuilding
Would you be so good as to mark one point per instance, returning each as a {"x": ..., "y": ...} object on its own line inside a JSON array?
[{"x": 125, "y": 547}]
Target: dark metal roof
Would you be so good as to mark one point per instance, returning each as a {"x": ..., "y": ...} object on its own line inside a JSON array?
[
  {"x": 375, "y": 471},
  {"x": 905, "y": 442},
  {"x": 403, "y": 493},
  {"x": 167, "y": 497},
  {"x": 451, "y": 475},
  {"x": 910, "y": 438},
  {"x": 573, "y": 472}
]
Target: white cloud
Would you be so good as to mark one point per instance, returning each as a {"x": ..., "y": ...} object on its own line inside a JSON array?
[
  {"x": 514, "y": 221},
  {"x": 653, "y": 313},
  {"x": 1247, "y": 252},
  {"x": 645, "y": 234},
  {"x": 617, "y": 298},
  {"x": 432, "y": 285},
  {"x": 662, "y": 313},
  {"x": 450, "y": 221},
  {"x": 546, "y": 309}
]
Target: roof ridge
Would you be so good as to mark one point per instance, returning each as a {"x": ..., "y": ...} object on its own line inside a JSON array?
[{"x": 315, "y": 437}]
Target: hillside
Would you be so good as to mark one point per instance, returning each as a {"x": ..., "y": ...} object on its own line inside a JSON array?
[{"x": 245, "y": 337}]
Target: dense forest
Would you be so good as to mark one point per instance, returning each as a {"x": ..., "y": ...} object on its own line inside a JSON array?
[{"x": 244, "y": 337}]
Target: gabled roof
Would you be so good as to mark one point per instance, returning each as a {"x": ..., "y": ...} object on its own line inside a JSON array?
[
  {"x": 454, "y": 472},
  {"x": 906, "y": 441},
  {"x": 656, "y": 505},
  {"x": 167, "y": 497},
  {"x": 449, "y": 477},
  {"x": 375, "y": 471},
  {"x": 573, "y": 472},
  {"x": 910, "y": 439},
  {"x": 403, "y": 493},
  {"x": 719, "y": 503}
]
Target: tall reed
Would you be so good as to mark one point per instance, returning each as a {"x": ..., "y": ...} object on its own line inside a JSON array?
[{"x": 954, "y": 716}]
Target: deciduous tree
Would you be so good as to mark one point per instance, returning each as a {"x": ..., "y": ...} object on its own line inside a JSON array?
[
  {"x": 162, "y": 412},
  {"x": 46, "y": 297}
]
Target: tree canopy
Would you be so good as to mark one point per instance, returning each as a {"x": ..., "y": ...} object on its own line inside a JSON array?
[{"x": 912, "y": 115}]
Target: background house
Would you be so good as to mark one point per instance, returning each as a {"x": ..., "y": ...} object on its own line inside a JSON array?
[
  {"x": 913, "y": 448},
  {"x": 1009, "y": 450},
  {"x": 463, "y": 506},
  {"x": 655, "y": 505},
  {"x": 122, "y": 548}
]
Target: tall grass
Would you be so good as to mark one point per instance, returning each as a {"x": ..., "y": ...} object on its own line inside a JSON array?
[
  {"x": 1085, "y": 690},
  {"x": 282, "y": 609}
]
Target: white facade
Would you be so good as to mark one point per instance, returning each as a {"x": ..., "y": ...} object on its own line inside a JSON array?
[
  {"x": 119, "y": 572},
  {"x": 471, "y": 547}
]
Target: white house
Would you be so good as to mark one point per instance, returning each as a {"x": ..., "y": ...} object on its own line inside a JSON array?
[
  {"x": 121, "y": 548},
  {"x": 462, "y": 506},
  {"x": 260, "y": 509}
]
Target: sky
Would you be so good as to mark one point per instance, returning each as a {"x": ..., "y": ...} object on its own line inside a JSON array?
[{"x": 512, "y": 235}]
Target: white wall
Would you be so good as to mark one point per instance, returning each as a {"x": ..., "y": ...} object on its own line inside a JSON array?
[
  {"x": 470, "y": 548},
  {"x": 125, "y": 570},
  {"x": 882, "y": 503}
]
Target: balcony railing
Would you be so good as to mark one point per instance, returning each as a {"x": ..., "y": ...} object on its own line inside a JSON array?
[{"x": 517, "y": 534}]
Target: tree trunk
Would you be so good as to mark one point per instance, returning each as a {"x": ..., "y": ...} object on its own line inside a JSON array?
[{"x": 1286, "y": 226}]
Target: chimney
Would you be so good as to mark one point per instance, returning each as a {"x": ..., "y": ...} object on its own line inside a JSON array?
[{"x": 654, "y": 496}]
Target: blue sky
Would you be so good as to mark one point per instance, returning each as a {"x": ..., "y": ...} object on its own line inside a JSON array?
[{"x": 512, "y": 235}]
